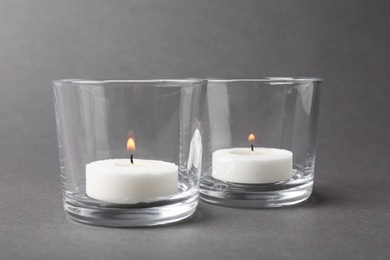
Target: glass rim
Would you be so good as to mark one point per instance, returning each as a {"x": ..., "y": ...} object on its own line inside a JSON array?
[
  {"x": 267, "y": 79},
  {"x": 124, "y": 81},
  {"x": 285, "y": 80}
]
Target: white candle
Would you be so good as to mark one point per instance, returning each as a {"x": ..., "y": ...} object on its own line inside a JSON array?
[
  {"x": 119, "y": 181},
  {"x": 242, "y": 165}
]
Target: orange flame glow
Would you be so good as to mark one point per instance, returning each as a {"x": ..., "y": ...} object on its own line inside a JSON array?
[
  {"x": 130, "y": 144},
  {"x": 251, "y": 137}
]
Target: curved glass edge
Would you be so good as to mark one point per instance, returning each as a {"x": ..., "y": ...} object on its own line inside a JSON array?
[
  {"x": 267, "y": 80},
  {"x": 188, "y": 80},
  {"x": 93, "y": 82}
]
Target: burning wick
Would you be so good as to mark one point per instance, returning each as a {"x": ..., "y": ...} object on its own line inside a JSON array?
[
  {"x": 251, "y": 137},
  {"x": 131, "y": 147}
]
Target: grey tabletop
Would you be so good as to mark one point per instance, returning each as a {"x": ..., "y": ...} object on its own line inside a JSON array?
[{"x": 344, "y": 42}]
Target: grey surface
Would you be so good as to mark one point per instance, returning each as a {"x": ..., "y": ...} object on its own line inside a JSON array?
[{"x": 344, "y": 42}]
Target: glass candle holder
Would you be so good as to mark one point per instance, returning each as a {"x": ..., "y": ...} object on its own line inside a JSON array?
[
  {"x": 259, "y": 141},
  {"x": 130, "y": 151}
]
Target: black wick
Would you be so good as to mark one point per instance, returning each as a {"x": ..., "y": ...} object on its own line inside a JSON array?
[
  {"x": 131, "y": 159},
  {"x": 252, "y": 147}
]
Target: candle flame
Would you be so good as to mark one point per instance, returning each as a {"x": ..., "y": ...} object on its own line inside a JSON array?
[
  {"x": 130, "y": 142},
  {"x": 130, "y": 145},
  {"x": 251, "y": 137}
]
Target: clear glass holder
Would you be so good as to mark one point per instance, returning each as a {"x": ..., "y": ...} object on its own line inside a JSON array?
[
  {"x": 130, "y": 151},
  {"x": 259, "y": 141}
]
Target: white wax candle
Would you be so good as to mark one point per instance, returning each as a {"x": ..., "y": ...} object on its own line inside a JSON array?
[
  {"x": 119, "y": 181},
  {"x": 262, "y": 165}
]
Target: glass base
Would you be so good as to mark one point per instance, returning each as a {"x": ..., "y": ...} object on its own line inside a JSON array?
[
  {"x": 270, "y": 195},
  {"x": 125, "y": 216}
]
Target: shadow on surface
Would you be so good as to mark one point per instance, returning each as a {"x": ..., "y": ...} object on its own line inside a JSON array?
[{"x": 316, "y": 199}]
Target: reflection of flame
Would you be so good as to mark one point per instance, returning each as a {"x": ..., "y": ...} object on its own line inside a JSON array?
[{"x": 251, "y": 137}]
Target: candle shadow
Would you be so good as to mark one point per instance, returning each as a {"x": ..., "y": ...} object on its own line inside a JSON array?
[{"x": 317, "y": 198}]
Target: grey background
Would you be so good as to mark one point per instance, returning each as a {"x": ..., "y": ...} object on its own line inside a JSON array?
[{"x": 344, "y": 42}]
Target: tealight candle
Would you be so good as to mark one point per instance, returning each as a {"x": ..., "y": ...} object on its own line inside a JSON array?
[
  {"x": 252, "y": 165},
  {"x": 125, "y": 181}
]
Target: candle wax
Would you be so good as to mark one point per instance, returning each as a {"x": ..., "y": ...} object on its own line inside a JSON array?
[
  {"x": 119, "y": 181},
  {"x": 242, "y": 165}
]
